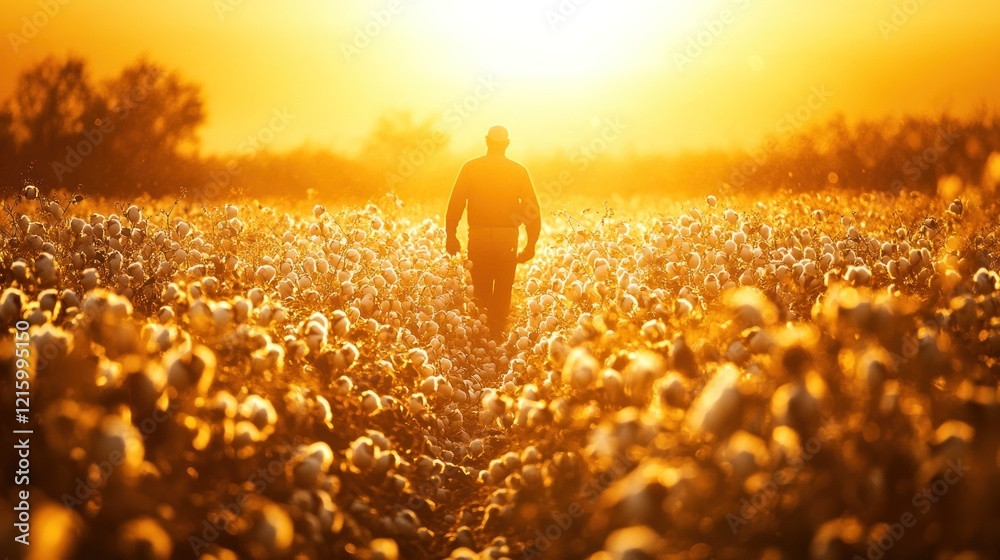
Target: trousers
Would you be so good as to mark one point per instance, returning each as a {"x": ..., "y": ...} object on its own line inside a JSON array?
[{"x": 493, "y": 252}]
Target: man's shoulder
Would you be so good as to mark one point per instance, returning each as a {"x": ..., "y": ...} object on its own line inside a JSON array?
[
  {"x": 515, "y": 166},
  {"x": 494, "y": 163},
  {"x": 474, "y": 162}
]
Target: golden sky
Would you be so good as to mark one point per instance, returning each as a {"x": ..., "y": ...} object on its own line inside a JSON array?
[{"x": 675, "y": 74}]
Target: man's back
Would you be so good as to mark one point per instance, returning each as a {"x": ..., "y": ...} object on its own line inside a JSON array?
[{"x": 498, "y": 192}]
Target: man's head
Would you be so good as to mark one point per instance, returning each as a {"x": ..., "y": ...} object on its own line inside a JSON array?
[{"x": 497, "y": 140}]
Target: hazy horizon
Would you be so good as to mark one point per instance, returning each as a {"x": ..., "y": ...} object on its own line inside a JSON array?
[{"x": 554, "y": 80}]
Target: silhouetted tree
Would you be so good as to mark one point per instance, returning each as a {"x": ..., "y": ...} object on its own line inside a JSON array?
[
  {"x": 50, "y": 107},
  {"x": 8, "y": 151},
  {"x": 399, "y": 147},
  {"x": 152, "y": 122},
  {"x": 136, "y": 132}
]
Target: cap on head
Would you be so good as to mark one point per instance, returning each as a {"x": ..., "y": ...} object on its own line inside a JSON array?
[{"x": 498, "y": 135}]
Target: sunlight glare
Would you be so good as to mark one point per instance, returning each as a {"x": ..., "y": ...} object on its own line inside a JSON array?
[{"x": 573, "y": 38}]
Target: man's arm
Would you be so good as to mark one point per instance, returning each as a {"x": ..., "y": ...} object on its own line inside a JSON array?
[
  {"x": 456, "y": 207},
  {"x": 532, "y": 218}
]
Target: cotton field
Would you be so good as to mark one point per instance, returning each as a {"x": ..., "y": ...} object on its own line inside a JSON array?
[{"x": 811, "y": 376}]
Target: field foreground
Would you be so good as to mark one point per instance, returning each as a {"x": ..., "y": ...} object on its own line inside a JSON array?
[{"x": 812, "y": 376}]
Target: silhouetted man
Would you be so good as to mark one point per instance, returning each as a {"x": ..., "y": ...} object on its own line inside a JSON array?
[{"x": 500, "y": 197}]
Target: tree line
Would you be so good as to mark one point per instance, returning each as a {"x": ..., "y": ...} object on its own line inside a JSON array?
[{"x": 137, "y": 132}]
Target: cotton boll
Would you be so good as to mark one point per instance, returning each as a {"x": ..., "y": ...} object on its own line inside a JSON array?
[
  {"x": 672, "y": 391},
  {"x": 308, "y": 265},
  {"x": 54, "y": 208},
  {"x": 135, "y": 271},
  {"x": 445, "y": 365},
  {"x": 744, "y": 454},
  {"x": 69, "y": 299},
  {"x": 795, "y": 406},
  {"x": 190, "y": 369},
  {"x": 114, "y": 262},
  {"x": 765, "y": 232},
  {"x": 857, "y": 275},
  {"x": 270, "y": 357},
  {"x": 370, "y": 402},
  {"x": 45, "y": 269},
  {"x": 314, "y": 333},
  {"x": 634, "y": 542},
  {"x": 347, "y": 289},
  {"x": 683, "y": 308},
  {"x": 642, "y": 370},
  {"x": 653, "y": 330},
  {"x": 558, "y": 350},
  {"x": 76, "y": 225},
  {"x": 89, "y": 279},
  {"x": 712, "y": 285},
  {"x": 241, "y": 310},
  {"x": 986, "y": 282},
  {"x": 361, "y": 454},
  {"x": 628, "y": 303},
  {"x": 344, "y": 385},
  {"x": 737, "y": 352},
  {"x": 417, "y": 356},
  {"x": 338, "y": 323},
  {"x": 719, "y": 406},
  {"x": 443, "y": 387},
  {"x": 955, "y": 208},
  {"x": 694, "y": 261},
  {"x": 143, "y": 537},
  {"x": 345, "y": 356},
  {"x": 285, "y": 288},
  {"x": 784, "y": 275},
  {"x": 258, "y": 411},
  {"x": 581, "y": 369},
  {"x": 417, "y": 403},
  {"x": 601, "y": 269},
  {"x": 210, "y": 284}
]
